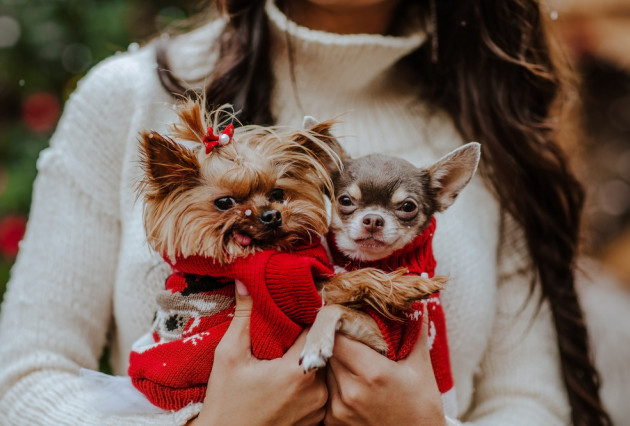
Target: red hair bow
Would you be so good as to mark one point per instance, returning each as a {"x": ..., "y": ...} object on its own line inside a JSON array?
[{"x": 211, "y": 141}]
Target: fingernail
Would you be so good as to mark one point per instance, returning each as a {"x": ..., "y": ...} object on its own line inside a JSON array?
[{"x": 241, "y": 289}]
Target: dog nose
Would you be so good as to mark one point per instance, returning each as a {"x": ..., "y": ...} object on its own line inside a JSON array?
[
  {"x": 270, "y": 218},
  {"x": 373, "y": 221}
]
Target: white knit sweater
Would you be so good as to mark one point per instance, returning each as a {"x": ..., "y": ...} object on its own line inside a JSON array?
[{"x": 85, "y": 275}]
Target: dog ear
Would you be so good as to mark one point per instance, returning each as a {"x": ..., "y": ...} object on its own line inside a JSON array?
[
  {"x": 168, "y": 166},
  {"x": 309, "y": 122},
  {"x": 451, "y": 173},
  {"x": 321, "y": 131}
]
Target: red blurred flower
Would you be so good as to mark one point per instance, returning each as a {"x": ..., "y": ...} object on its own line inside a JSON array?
[
  {"x": 41, "y": 111},
  {"x": 11, "y": 232}
]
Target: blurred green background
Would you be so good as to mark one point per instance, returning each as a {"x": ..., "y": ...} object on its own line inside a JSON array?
[{"x": 46, "y": 46}]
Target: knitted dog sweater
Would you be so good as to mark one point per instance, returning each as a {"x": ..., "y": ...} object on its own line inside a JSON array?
[
  {"x": 171, "y": 365},
  {"x": 418, "y": 258}
]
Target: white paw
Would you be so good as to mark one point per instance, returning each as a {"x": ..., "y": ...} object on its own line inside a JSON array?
[{"x": 314, "y": 358}]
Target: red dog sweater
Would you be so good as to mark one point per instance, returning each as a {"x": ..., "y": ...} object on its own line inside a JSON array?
[
  {"x": 417, "y": 257},
  {"x": 172, "y": 364}
]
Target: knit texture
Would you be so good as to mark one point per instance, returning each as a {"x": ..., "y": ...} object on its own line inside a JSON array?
[
  {"x": 197, "y": 309},
  {"x": 85, "y": 277},
  {"x": 417, "y": 257}
]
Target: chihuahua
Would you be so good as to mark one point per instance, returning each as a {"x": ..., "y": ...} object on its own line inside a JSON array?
[{"x": 384, "y": 219}]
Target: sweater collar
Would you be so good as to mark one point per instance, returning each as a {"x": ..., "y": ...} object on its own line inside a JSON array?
[
  {"x": 417, "y": 256},
  {"x": 343, "y": 64},
  {"x": 206, "y": 265}
]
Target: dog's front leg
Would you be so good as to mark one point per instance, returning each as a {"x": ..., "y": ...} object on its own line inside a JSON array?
[
  {"x": 330, "y": 319},
  {"x": 321, "y": 337}
]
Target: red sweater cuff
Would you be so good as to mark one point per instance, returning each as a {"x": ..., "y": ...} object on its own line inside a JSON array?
[{"x": 291, "y": 284}]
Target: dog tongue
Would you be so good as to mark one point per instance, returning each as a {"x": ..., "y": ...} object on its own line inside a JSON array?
[{"x": 243, "y": 240}]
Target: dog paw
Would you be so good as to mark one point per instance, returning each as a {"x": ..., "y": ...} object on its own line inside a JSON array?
[{"x": 314, "y": 358}]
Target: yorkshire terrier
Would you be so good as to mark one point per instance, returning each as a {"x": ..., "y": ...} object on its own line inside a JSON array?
[{"x": 248, "y": 203}]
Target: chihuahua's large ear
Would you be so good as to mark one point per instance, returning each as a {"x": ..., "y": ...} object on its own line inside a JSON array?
[
  {"x": 322, "y": 131},
  {"x": 168, "y": 166},
  {"x": 451, "y": 173},
  {"x": 309, "y": 122}
]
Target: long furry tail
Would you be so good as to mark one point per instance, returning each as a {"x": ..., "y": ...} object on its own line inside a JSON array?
[{"x": 387, "y": 293}]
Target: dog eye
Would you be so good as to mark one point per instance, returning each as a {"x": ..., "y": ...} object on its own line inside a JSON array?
[
  {"x": 277, "y": 195},
  {"x": 224, "y": 203},
  {"x": 407, "y": 210},
  {"x": 345, "y": 201},
  {"x": 408, "y": 207},
  {"x": 346, "y": 205}
]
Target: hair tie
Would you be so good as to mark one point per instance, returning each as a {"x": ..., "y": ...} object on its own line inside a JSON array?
[{"x": 211, "y": 141}]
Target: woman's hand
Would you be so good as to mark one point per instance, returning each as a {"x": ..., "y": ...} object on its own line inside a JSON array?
[
  {"x": 366, "y": 388},
  {"x": 245, "y": 390}
]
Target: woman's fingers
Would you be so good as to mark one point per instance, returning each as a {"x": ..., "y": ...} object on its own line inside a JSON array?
[
  {"x": 296, "y": 349},
  {"x": 243, "y": 301},
  {"x": 366, "y": 388},
  {"x": 334, "y": 406},
  {"x": 246, "y": 390},
  {"x": 355, "y": 357},
  {"x": 237, "y": 340},
  {"x": 419, "y": 354}
]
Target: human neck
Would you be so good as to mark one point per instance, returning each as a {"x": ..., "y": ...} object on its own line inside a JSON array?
[{"x": 344, "y": 18}]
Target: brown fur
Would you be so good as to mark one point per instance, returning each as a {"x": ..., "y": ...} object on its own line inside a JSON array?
[
  {"x": 387, "y": 293},
  {"x": 180, "y": 186}
]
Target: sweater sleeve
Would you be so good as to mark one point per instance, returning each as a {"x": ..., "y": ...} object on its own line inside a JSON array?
[
  {"x": 519, "y": 380},
  {"x": 58, "y": 305},
  {"x": 291, "y": 283}
]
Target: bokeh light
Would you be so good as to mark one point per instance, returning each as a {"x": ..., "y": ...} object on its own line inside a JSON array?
[
  {"x": 614, "y": 197},
  {"x": 76, "y": 58},
  {"x": 12, "y": 230},
  {"x": 9, "y": 31},
  {"x": 41, "y": 111}
]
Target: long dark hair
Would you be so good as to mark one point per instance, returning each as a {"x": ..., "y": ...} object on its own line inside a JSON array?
[
  {"x": 492, "y": 66},
  {"x": 242, "y": 75}
]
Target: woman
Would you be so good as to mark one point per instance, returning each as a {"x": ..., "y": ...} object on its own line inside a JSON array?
[{"x": 414, "y": 79}]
